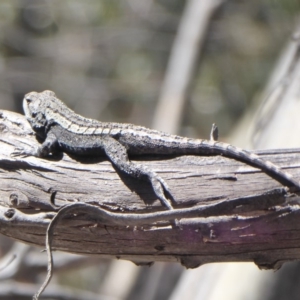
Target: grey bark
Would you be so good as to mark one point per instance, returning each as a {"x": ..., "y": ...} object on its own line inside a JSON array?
[{"x": 233, "y": 212}]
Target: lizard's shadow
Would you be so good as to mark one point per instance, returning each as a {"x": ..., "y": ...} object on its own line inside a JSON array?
[{"x": 142, "y": 188}]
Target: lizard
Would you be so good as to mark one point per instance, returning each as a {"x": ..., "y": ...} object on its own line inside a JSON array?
[{"x": 62, "y": 129}]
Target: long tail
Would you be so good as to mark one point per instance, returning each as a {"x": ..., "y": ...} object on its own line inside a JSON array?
[
  {"x": 161, "y": 143},
  {"x": 252, "y": 159}
]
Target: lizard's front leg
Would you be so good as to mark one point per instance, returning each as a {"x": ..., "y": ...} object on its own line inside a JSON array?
[
  {"x": 43, "y": 150},
  {"x": 117, "y": 154}
]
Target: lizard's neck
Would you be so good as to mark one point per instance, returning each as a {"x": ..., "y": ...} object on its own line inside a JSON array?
[{"x": 60, "y": 114}]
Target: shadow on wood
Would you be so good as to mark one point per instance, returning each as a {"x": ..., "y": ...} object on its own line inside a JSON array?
[{"x": 225, "y": 210}]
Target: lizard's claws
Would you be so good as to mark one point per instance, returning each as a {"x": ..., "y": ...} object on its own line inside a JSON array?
[{"x": 21, "y": 152}]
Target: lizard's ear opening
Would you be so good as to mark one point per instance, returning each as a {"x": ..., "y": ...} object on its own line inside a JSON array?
[{"x": 49, "y": 93}]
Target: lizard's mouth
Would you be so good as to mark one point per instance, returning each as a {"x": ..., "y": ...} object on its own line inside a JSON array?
[
  {"x": 26, "y": 107},
  {"x": 31, "y": 104}
]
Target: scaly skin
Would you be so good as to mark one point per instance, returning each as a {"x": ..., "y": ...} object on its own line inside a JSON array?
[{"x": 63, "y": 129}]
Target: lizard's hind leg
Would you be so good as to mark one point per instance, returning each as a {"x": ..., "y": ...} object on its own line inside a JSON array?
[{"x": 117, "y": 154}]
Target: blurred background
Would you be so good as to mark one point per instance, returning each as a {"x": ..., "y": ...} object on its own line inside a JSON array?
[{"x": 173, "y": 65}]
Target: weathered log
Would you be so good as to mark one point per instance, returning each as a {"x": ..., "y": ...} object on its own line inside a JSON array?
[{"x": 225, "y": 210}]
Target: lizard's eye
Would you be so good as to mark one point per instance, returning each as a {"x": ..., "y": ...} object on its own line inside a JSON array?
[{"x": 28, "y": 100}]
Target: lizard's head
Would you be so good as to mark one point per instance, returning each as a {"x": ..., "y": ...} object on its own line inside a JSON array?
[{"x": 35, "y": 107}]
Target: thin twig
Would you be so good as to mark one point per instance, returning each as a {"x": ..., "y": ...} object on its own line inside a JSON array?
[{"x": 107, "y": 217}]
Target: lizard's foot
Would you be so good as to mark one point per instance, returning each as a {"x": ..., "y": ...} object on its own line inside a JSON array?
[
  {"x": 159, "y": 186},
  {"x": 117, "y": 153},
  {"x": 22, "y": 152}
]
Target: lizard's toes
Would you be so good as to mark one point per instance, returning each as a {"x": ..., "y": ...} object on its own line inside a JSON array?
[
  {"x": 158, "y": 188},
  {"x": 20, "y": 152}
]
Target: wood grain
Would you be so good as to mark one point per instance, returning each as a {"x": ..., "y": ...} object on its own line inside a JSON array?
[{"x": 251, "y": 217}]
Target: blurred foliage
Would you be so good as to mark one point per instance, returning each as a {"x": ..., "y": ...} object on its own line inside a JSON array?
[{"x": 107, "y": 58}]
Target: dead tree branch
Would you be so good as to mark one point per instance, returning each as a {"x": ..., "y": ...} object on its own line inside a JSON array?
[{"x": 224, "y": 210}]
